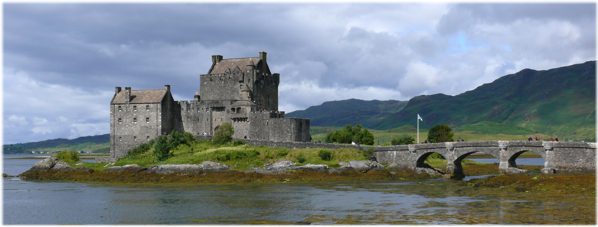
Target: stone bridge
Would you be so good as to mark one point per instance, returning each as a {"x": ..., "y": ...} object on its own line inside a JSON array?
[{"x": 558, "y": 156}]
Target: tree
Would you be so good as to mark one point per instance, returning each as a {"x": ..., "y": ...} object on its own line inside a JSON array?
[
  {"x": 223, "y": 134},
  {"x": 163, "y": 144},
  {"x": 350, "y": 134},
  {"x": 402, "y": 140},
  {"x": 161, "y": 148},
  {"x": 440, "y": 133}
]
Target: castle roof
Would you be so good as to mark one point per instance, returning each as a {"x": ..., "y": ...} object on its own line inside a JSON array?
[
  {"x": 140, "y": 96},
  {"x": 231, "y": 63}
]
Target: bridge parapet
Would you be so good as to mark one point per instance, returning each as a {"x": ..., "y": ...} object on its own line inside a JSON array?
[
  {"x": 476, "y": 144},
  {"x": 422, "y": 146},
  {"x": 572, "y": 145},
  {"x": 558, "y": 156},
  {"x": 521, "y": 143}
]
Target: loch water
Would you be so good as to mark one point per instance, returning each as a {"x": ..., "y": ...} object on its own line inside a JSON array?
[{"x": 412, "y": 202}]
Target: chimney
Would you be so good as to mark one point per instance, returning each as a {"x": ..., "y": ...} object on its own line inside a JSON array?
[
  {"x": 117, "y": 90},
  {"x": 128, "y": 93},
  {"x": 216, "y": 59},
  {"x": 263, "y": 56},
  {"x": 167, "y": 87}
]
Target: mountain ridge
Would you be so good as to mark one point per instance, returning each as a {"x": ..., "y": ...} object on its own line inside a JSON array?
[{"x": 552, "y": 101}]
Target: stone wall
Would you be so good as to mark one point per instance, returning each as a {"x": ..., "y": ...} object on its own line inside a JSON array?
[
  {"x": 132, "y": 125},
  {"x": 221, "y": 86},
  {"x": 195, "y": 118}
]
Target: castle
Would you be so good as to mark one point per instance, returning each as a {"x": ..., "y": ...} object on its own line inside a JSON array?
[{"x": 241, "y": 91}]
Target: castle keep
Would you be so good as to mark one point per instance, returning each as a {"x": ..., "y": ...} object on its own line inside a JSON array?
[{"x": 241, "y": 91}]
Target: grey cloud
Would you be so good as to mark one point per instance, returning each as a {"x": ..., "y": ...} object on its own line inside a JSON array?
[{"x": 323, "y": 51}]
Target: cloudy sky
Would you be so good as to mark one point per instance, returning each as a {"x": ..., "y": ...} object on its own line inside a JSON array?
[{"x": 62, "y": 61}]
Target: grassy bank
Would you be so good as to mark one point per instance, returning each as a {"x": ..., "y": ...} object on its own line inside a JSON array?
[{"x": 242, "y": 156}]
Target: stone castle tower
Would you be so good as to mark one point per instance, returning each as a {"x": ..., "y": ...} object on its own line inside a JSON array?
[{"x": 241, "y": 91}]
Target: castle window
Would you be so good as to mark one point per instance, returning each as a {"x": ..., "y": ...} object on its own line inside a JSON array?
[
  {"x": 134, "y": 138},
  {"x": 134, "y": 120},
  {"x": 120, "y": 120},
  {"x": 147, "y": 120},
  {"x": 134, "y": 108},
  {"x": 146, "y": 107},
  {"x": 120, "y": 108},
  {"x": 120, "y": 138},
  {"x": 147, "y": 138}
]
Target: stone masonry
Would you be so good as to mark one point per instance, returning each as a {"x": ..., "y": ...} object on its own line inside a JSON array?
[{"x": 240, "y": 91}]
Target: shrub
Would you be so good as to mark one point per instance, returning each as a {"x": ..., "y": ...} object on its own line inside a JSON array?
[
  {"x": 325, "y": 155},
  {"x": 223, "y": 134},
  {"x": 402, "y": 140},
  {"x": 164, "y": 144},
  {"x": 161, "y": 148},
  {"x": 440, "y": 133},
  {"x": 301, "y": 158},
  {"x": 68, "y": 156},
  {"x": 350, "y": 134}
]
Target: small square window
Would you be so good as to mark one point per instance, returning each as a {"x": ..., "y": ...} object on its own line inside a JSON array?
[
  {"x": 134, "y": 120},
  {"x": 120, "y": 139},
  {"x": 134, "y": 138},
  {"x": 147, "y": 138},
  {"x": 147, "y": 120},
  {"x": 147, "y": 108},
  {"x": 134, "y": 108},
  {"x": 120, "y": 120},
  {"x": 120, "y": 108}
]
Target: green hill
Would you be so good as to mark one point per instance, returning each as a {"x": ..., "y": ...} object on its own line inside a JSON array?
[
  {"x": 96, "y": 144},
  {"x": 559, "y": 102},
  {"x": 336, "y": 113}
]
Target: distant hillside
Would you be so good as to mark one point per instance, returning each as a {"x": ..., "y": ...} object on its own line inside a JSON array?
[
  {"x": 558, "y": 101},
  {"x": 98, "y": 143},
  {"x": 336, "y": 113}
]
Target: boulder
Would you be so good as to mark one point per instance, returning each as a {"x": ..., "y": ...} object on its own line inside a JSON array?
[
  {"x": 362, "y": 165},
  {"x": 548, "y": 171},
  {"x": 428, "y": 171},
  {"x": 280, "y": 165},
  {"x": 47, "y": 163},
  {"x": 130, "y": 167},
  {"x": 206, "y": 166},
  {"x": 512, "y": 170},
  {"x": 61, "y": 165},
  {"x": 313, "y": 167},
  {"x": 176, "y": 168},
  {"x": 213, "y": 166}
]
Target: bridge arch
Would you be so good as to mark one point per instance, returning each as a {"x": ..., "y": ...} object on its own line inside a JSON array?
[
  {"x": 515, "y": 154},
  {"x": 421, "y": 161}
]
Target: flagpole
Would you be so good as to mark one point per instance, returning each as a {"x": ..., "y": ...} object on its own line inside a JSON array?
[{"x": 417, "y": 120}]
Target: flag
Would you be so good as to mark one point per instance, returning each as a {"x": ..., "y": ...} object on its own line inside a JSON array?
[{"x": 419, "y": 118}]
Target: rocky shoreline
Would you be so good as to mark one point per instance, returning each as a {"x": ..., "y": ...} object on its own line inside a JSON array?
[{"x": 214, "y": 172}]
